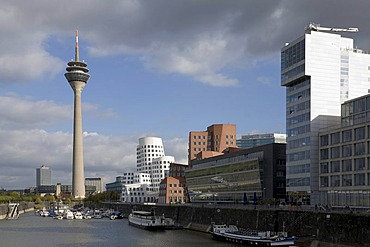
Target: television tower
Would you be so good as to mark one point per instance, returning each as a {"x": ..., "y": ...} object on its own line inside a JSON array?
[{"x": 77, "y": 76}]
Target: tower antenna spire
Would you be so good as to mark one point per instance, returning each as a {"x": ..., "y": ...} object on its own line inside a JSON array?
[{"x": 77, "y": 55}]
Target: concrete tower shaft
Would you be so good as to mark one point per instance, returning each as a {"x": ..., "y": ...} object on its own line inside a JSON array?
[{"x": 77, "y": 76}]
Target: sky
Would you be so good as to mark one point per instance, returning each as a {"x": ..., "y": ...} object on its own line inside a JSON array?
[{"x": 158, "y": 68}]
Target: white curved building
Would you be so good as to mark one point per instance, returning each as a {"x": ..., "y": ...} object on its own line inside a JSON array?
[
  {"x": 152, "y": 166},
  {"x": 148, "y": 149},
  {"x": 151, "y": 159}
]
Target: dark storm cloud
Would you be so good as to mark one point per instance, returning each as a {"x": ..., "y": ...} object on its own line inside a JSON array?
[{"x": 194, "y": 38}]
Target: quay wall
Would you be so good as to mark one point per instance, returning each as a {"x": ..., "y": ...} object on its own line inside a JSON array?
[
  {"x": 335, "y": 228},
  {"x": 23, "y": 208}
]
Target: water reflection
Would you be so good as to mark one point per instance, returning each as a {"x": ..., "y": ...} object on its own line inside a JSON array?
[{"x": 35, "y": 231}]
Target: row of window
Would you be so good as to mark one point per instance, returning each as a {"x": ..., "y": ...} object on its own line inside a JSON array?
[
  {"x": 151, "y": 146},
  {"x": 210, "y": 137},
  {"x": 177, "y": 191},
  {"x": 298, "y": 107},
  {"x": 305, "y": 94},
  {"x": 301, "y": 142},
  {"x": 173, "y": 185},
  {"x": 345, "y": 180},
  {"x": 177, "y": 174},
  {"x": 296, "y": 169},
  {"x": 299, "y": 130},
  {"x": 296, "y": 182},
  {"x": 138, "y": 199},
  {"x": 201, "y": 143},
  {"x": 346, "y": 165},
  {"x": 290, "y": 74},
  {"x": 298, "y": 85},
  {"x": 177, "y": 199},
  {"x": 298, "y": 119},
  {"x": 345, "y": 151},
  {"x": 345, "y": 136},
  {"x": 303, "y": 155}
]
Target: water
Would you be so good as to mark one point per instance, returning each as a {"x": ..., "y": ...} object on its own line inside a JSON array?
[{"x": 35, "y": 231}]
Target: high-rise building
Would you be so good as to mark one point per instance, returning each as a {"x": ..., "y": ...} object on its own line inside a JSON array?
[
  {"x": 43, "y": 176},
  {"x": 97, "y": 182},
  {"x": 217, "y": 138},
  {"x": 254, "y": 140},
  {"x": 77, "y": 76},
  {"x": 320, "y": 70},
  {"x": 151, "y": 159}
]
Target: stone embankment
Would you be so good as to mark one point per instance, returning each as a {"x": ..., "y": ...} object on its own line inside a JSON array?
[
  {"x": 23, "y": 208},
  {"x": 320, "y": 228}
]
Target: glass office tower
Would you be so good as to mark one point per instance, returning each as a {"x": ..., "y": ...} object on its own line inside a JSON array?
[{"x": 320, "y": 70}]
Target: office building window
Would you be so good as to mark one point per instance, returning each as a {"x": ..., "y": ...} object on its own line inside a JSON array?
[
  {"x": 335, "y": 166},
  {"x": 360, "y": 133},
  {"x": 335, "y": 152},
  {"x": 347, "y": 151},
  {"x": 360, "y": 179},
  {"x": 324, "y": 181},
  {"x": 334, "y": 181},
  {"x": 347, "y": 180},
  {"x": 360, "y": 148},
  {"x": 347, "y": 165},
  {"x": 335, "y": 138},
  {"x": 324, "y": 140},
  {"x": 347, "y": 135},
  {"x": 324, "y": 154},
  {"x": 360, "y": 164},
  {"x": 324, "y": 168}
]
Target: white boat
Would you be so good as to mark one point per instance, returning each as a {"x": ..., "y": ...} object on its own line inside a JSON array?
[
  {"x": 146, "y": 220},
  {"x": 44, "y": 213},
  {"x": 97, "y": 214},
  {"x": 68, "y": 215},
  {"x": 87, "y": 216},
  {"x": 78, "y": 215},
  {"x": 231, "y": 233}
]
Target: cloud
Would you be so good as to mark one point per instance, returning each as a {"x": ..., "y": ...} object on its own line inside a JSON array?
[
  {"x": 209, "y": 41},
  {"x": 177, "y": 147},
  {"x": 23, "y": 113},
  {"x": 194, "y": 38},
  {"x": 26, "y": 145},
  {"x": 265, "y": 80}
]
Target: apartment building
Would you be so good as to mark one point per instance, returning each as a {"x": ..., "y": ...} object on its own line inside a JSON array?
[{"x": 216, "y": 138}]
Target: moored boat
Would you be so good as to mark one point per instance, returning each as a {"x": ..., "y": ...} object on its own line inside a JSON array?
[
  {"x": 232, "y": 233},
  {"x": 68, "y": 215},
  {"x": 146, "y": 220},
  {"x": 78, "y": 215}
]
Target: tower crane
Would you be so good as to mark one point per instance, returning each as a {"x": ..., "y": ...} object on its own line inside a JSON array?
[{"x": 317, "y": 27}]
